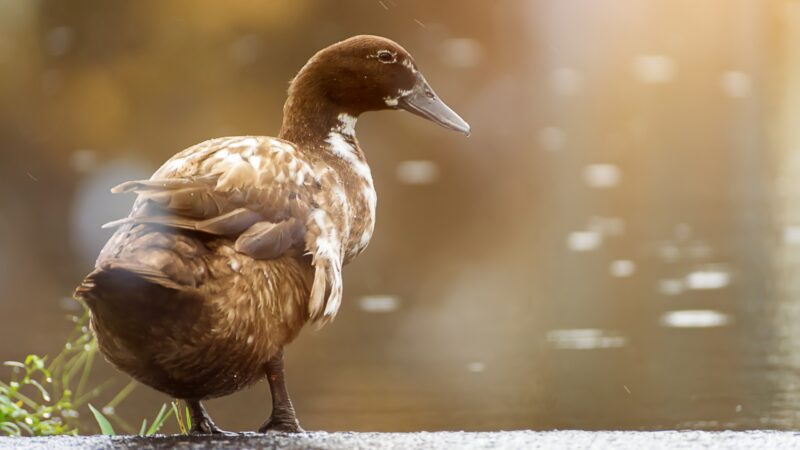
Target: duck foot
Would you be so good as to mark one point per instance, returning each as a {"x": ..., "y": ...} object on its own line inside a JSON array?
[
  {"x": 206, "y": 426},
  {"x": 202, "y": 423},
  {"x": 281, "y": 425}
]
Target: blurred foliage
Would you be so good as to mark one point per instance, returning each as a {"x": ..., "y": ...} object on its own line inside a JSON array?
[{"x": 42, "y": 399}]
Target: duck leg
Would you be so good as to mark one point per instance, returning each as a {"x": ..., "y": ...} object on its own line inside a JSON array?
[
  {"x": 201, "y": 421},
  {"x": 283, "y": 418}
]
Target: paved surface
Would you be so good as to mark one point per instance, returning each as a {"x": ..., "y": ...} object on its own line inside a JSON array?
[{"x": 637, "y": 440}]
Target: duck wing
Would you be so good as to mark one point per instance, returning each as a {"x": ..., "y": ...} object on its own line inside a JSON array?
[{"x": 259, "y": 192}]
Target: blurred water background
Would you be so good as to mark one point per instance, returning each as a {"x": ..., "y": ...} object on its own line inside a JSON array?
[{"x": 617, "y": 245}]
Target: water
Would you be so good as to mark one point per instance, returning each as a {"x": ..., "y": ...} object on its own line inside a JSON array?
[{"x": 614, "y": 247}]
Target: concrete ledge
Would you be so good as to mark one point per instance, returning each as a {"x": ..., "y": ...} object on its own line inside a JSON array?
[{"x": 634, "y": 440}]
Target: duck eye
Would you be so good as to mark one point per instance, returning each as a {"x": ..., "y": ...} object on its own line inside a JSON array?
[{"x": 386, "y": 57}]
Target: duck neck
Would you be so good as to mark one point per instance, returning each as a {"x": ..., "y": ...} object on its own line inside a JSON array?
[{"x": 312, "y": 121}]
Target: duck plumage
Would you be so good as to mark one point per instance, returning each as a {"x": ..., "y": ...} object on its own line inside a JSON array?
[{"x": 234, "y": 244}]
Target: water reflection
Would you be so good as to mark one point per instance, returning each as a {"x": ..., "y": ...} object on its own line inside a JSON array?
[
  {"x": 585, "y": 339},
  {"x": 708, "y": 278},
  {"x": 694, "y": 319}
]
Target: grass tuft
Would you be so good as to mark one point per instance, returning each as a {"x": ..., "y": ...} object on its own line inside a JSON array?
[{"x": 45, "y": 398}]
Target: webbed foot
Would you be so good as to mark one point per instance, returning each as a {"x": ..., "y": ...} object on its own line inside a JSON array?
[
  {"x": 281, "y": 425},
  {"x": 202, "y": 423}
]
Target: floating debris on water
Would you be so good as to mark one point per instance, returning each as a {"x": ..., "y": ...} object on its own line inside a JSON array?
[
  {"x": 696, "y": 318},
  {"x": 585, "y": 339}
]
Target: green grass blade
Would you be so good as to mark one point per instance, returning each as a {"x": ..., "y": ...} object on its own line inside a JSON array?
[
  {"x": 158, "y": 422},
  {"x": 143, "y": 428},
  {"x": 105, "y": 425},
  {"x": 178, "y": 417},
  {"x": 87, "y": 369},
  {"x": 10, "y": 429},
  {"x": 123, "y": 393}
]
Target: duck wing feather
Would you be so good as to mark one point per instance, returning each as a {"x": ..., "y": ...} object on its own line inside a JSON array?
[{"x": 259, "y": 192}]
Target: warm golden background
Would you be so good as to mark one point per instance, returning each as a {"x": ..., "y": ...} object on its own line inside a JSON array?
[{"x": 617, "y": 245}]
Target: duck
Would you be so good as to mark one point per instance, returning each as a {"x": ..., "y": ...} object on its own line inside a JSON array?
[{"x": 235, "y": 244}]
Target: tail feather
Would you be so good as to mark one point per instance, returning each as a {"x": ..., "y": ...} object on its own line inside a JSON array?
[{"x": 123, "y": 300}]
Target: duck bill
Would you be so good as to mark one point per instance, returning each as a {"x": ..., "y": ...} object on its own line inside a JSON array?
[{"x": 423, "y": 102}]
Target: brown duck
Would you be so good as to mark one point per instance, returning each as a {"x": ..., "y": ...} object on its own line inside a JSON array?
[{"x": 235, "y": 243}]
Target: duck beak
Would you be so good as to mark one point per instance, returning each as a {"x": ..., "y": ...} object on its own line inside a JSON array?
[{"x": 422, "y": 101}]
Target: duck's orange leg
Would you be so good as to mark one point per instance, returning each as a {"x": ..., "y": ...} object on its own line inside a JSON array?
[{"x": 283, "y": 418}]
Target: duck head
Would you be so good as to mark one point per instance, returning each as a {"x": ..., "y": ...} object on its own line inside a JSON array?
[{"x": 367, "y": 73}]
